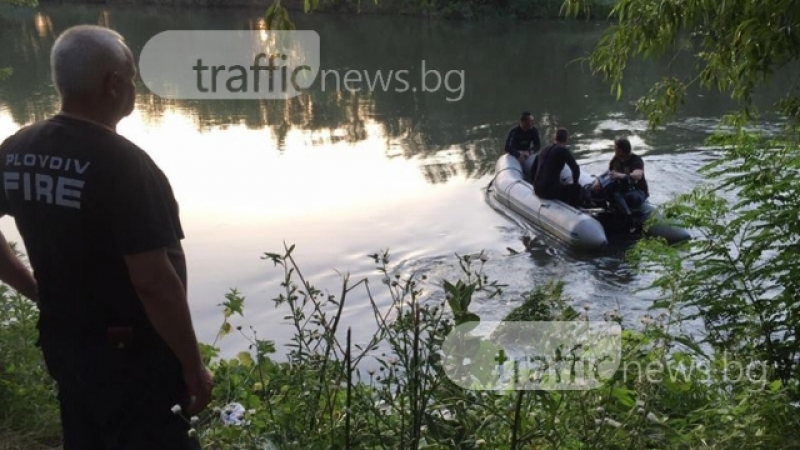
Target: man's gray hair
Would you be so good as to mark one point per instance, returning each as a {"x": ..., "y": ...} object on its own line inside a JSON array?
[{"x": 83, "y": 55}]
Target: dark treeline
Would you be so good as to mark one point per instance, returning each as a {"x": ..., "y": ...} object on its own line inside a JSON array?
[
  {"x": 504, "y": 71},
  {"x": 451, "y": 9}
]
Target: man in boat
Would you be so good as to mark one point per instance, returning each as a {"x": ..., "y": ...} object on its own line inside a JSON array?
[
  {"x": 629, "y": 187},
  {"x": 523, "y": 139},
  {"x": 103, "y": 236},
  {"x": 546, "y": 172}
]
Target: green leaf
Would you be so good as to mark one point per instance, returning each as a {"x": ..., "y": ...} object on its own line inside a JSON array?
[
  {"x": 265, "y": 347},
  {"x": 252, "y": 402},
  {"x": 688, "y": 342},
  {"x": 624, "y": 396},
  {"x": 234, "y": 303},
  {"x": 245, "y": 358},
  {"x": 471, "y": 317}
]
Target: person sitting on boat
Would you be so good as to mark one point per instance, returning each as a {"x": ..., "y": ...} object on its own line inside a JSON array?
[
  {"x": 523, "y": 139},
  {"x": 626, "y": 169},
  {"x": 546, "y": 172}
]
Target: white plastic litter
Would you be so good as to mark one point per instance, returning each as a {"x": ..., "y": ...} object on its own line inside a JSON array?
[{"x": 232, "y": 414}]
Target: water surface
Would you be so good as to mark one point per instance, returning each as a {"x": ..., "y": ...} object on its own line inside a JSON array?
[{"x": 342, "y": 175}]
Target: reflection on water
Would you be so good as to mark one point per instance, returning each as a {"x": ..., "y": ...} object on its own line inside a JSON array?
[
  {"x": 344, "y": 174},
  {"x": 506, "y": 71}
]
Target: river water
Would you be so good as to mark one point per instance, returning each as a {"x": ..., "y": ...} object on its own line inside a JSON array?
[{"x": 342, "y": 175}]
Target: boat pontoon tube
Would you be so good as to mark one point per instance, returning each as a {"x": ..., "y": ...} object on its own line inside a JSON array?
[{"x": 571, "y": 225}]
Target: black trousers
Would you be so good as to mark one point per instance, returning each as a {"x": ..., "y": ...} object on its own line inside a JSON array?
[{"x": 118, "y": 398}]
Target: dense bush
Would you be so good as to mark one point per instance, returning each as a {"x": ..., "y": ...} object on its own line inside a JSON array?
[
  {"x": 393, "y": 392},
  {"x": 740, "y": 276},
  {"x": 278, "y": 13},
  {"x": 27, "y": 395}
]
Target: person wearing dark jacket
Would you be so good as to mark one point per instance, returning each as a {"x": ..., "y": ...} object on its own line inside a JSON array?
[
  {"x": 546, "y": 172},
  {"x": 523, "y": 140}
]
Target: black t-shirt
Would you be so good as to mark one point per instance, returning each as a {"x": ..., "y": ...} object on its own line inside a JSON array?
[
  {"x": 633, "y": 162},
  {"x": 547, "y": 178},
  {"x": 522, "y": 140},
  {"x": 82, "y": 197}
]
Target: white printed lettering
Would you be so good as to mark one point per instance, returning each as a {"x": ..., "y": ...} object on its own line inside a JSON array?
[
  {"x": 80, "y": 169},
  {"x": 44, "y": 188},
  {"x": 11, "y": 181},
  {"x": 26, "y": 185},
  {"x": 56, "y": 162},
  {"x": 69, "y": 197},
  {"x": 48, "y": 162}
]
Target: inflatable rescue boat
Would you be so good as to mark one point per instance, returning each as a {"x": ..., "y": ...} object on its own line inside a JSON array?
[{"x": 577, "y": 227}]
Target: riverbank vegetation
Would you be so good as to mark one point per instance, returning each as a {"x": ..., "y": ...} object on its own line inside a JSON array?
[
  {"x": 28, "y": 413},
  {"x": 472, "y": 10},
  {"x": 279, "y": 13},
  {"x": 6, "y": 72},
  {"x": 458, "y": 9},
  {"x": 396, "y": 390}
]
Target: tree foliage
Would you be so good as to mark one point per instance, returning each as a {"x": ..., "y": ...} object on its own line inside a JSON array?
[
  {"x": 740, "y": 276},
  {"x": 737, "y": 46},
  {"x": 6, "y": 72}
]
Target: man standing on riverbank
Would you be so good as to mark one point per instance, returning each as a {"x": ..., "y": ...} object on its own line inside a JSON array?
[{"x": 101, "y": 228}]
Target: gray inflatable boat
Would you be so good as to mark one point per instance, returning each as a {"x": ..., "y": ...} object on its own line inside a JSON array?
[{"x": 578, "y": 228}]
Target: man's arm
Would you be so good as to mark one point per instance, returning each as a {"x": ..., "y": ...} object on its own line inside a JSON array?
[
  {"x": 638, "y": 169},
  {"x": 511, "y": 141},
  {"x": 635, "y": 175},
  {"x": 178, "y": 260},
  {"x": 576, "y": 169},
  {"x": 147, "y": 233},
  {"x": 537, "y": 143},
  {"x": 163, "y": 295},
  {"x": 615, "y": 174},
  {"x": 14, "y": 273},
  {"x": 164, "y": 298}
]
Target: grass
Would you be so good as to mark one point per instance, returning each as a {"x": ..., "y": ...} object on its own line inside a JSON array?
[{"x": 15, "y": 440}]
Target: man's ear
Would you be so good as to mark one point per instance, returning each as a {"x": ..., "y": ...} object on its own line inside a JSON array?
[{"x": 111, "y": 84}]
